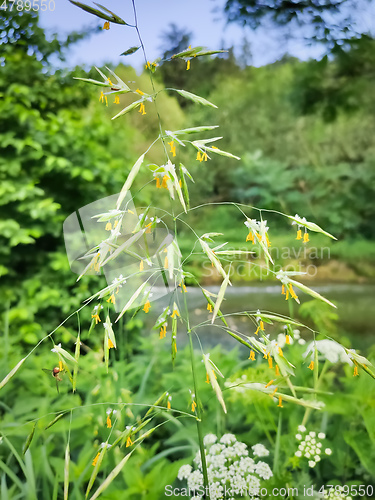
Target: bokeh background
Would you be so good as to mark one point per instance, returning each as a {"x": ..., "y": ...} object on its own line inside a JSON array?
[{"x": 296, "y": 103}]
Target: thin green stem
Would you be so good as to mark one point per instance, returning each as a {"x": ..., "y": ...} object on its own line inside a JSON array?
[
  {"x": 199, "y": 420},
  {"x": 317, "y": 385}
]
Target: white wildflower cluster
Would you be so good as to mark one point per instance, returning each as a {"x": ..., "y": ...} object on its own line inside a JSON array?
[
  {"x": 337, "y": 493},
  {"x": 231, "y": 471},
  {"x": 310, "y": 445},
  {"x": 331, "y": 350}
]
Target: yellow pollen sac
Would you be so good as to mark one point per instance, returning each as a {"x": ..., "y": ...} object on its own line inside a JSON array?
[
  {"x": 188, "y": 65},
  {"x": 287, "y": 339},
  {"x": 193, "y": 406},
  {"x": 261, "y": 324},
  {"x": 166, "y": 263},
  {"x": 96, "y": 317},
  {"x": 106, "y": 25},
  {"x": 269, "y": 383},
  {"x": 158, "y": 185},
  {"x": 281, "y": 352},
  {"x": 355, "y": 372},
  {"x": 115, "y": 224},
  {"x": 280, "y": 405},
  {"x": 164, "y": 183},
  {"x": 287, "y": 295},
  {"x": 269, "y": 361},
  {"x": 204, "y": 156},
  {"x": 129, "y": 442},
  {"x": 142, "y": 109},
  {"x": 140, "y": 92},
  {"x": 257, "y": 330},
  {"x": 103, "y": 98},
  {"x": 109, "y": 423},
  {"x": 147, "y": 307},
  {"x": 311, "y": 365},
  {"x": 306, "y": 237},
  {"x": 112, "y": 299},
  {"x": 94, "y": 462},
  {"x": 108, "y": 226},
  {"x": 175, "y": 313},
  {"x": 61, "y": 366},
  {"x": 252, "y": 355},
  {"x": 109, "y": 81},
  {"x": 141, "y": 265},
  {"x": 292, "y": 292},
  {"x": 163, "y": 332},
  {"x": 110, "y": 344},
  {"x": 268, "y": 241},
  {"x": 199, "y": 156},
  {"x": 277, "y": 370},
  {"x": 117, "y": 100},
  {"x": 282, "y": 289},
  {"x": 274, "y": 392},
  {"x": 299, "y": 235},
  {"x": 250, "y": 237},
  {"x": 173, "y": 148},
  {"x": 209, "y": 307},
  {"x": 207, "y": 378}
]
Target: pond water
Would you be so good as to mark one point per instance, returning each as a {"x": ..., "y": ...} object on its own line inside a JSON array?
[{"x": 355, "y": 308}]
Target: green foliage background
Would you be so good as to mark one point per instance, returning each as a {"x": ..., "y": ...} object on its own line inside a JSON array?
[{"x": 60, "y": 151}]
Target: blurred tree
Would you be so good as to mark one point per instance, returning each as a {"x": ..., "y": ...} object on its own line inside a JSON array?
[
  {"x": 328, "y": 21},
  {"x": 56, "y": 157},
  {"x": 348, "y": 41}
]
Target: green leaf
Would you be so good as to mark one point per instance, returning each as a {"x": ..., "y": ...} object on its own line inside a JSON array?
[
  {"x": 131, "y": 106},
  {"x": 11, "y": 373},
  {"x": 311, "y": 292},
  {"x": 66, "y": 472},
  {"x": 29, "y": 439},
  {"x": 130, "y": 51},
  {"x": 187, "y": 53},
  {"x": 210, "y": 52},
  {"x": 135, "y": 295},
  {"x": 279, "y": 319},
  {"x": 111, "y": 477},
  {"x": 311, "y": 226},
  {"x": 220, "y": 296},
  {"x": 185, "y": 190},
  {"x": 210, "y": 369},
  {"x": 96, "y": 469},
  {"x": 64, "y": 353},
  {"x": 112, "y": 18},
  {"x": 129, "y": 181},
  {"x": 194, "y": 98},
  {"x": 56, "y": 419},
  {"x": 76, "y": 357},
  {"x": 213, "y": 259},
  {"x": 94, "y": 82},
  {"x": 192, "y": 130}
]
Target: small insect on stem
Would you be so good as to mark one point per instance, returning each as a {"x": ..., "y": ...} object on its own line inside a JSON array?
[{"x": 55, "y": 374}]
